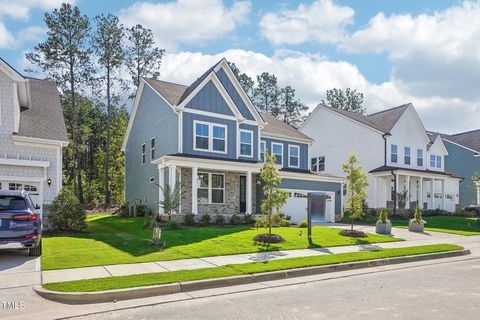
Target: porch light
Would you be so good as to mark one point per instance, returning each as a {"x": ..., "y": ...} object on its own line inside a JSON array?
[{"x": 49, "y": 182}]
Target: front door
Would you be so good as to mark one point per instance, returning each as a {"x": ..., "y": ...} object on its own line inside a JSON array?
[{"x": 243, "y": 194}]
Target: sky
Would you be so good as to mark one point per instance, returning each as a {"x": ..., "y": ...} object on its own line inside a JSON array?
[{"x": 395, "y": 52}]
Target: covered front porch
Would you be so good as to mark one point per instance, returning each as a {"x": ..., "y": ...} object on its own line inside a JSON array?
[
  {"x": 211, "y": 186},
  {"x": 425, "y": 189}
]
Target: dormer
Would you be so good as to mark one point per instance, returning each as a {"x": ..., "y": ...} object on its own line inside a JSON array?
[{"x": 436, "y": 154}]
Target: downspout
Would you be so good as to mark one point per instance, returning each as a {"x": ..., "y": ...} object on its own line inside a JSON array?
[
  {"x": 394, "y": 192},
  {"x": 384, "y": 136}
]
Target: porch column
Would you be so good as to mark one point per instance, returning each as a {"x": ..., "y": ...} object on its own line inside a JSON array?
[
  {"x": 433, "y": 193},
  {"x": 478, "y": 193},
  {"x": 248, "y": 198},
  {"x": 420, "y": 198},
  {"x": 407, "y": 200},
  {"x": 443, "y": 194},
  {"x": 194, "y": 190},
  {"x": 172, "y": 176},
  {"x": 396, "y": 190},
  {"x": 341, "y": 198},
  {"x": 161, "y": 182},
  {"x": 375, "y": 192}
]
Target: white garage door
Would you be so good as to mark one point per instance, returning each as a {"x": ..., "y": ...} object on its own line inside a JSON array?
[
  {"x": 296, "y": 206},
  {"x": 32, "y": 188}
]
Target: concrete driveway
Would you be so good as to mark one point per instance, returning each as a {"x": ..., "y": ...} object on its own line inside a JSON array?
[{"x": 18, "y": 269}]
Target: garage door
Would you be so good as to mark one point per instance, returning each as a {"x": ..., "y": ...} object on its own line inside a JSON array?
[
  {"x": 32, "y": 188},
  {"x": 296, "y": 206}
]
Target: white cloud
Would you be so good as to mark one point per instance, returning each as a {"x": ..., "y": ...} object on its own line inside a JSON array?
[
  {"x": 20, "y": 9},
  {"x": 186, "y": 21},
  {"x": 6, "y": 38},
  {"x": 322, "y": 21}
]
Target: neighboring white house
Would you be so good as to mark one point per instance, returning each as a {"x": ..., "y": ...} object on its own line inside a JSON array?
[
  {"x": 32, "y": 135},
  {"x": 393, "y": 148}
]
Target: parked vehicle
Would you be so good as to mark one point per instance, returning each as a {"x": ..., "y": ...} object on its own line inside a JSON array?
[
  {"x": 475, "y": 208},
  {"x": 20, "y": 223}
]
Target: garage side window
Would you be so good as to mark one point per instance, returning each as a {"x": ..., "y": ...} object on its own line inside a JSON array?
[{"x": 318, "y": 164}]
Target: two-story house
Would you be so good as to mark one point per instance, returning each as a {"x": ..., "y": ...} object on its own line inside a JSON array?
[
  {"x": 209, "y": 137},
  {"x": 395, "y": 151},
  {"x": 32, "y": 136},
  {"x": 464, "y": 160}
]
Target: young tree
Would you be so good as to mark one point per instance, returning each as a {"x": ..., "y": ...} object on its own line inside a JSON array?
[
  {"x": 143, "y": 58},
  {"x": 291, "y": 110},
  {"x": 356, "y": 187},
  {"x": 107, "y": 45},
  {"x": 274, "y": 196},
  {"x": 349, "y": 100},
  {"x": 246, "y": 82},
  {"x": 266, "y": 94},
  {"x": 65, "y": 58}
]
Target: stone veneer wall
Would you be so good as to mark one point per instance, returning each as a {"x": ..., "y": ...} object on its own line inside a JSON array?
[{"x": 232, "y": 194}]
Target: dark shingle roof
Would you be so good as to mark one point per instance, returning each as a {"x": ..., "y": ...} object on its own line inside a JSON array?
[
  {"x": 383, "y": 121},
  {"x": 197, "y": 82},
  {"x": 172, "y": 92},
  {"x": 390, "y": 168},
  {"x": 470, "y": 139},
  {"x": 44, "y": 118},
  {"x": 277, "y": 127}
]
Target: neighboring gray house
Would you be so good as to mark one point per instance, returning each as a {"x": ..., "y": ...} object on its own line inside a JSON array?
[
  {"x": 210, "y": 137},
  {"x": 464, "y": 161},
  {"x": 32, "y": 135}
]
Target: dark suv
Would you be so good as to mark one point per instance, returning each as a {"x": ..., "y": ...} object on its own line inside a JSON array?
[
  {"x": 20, "y": 224},
  {"x": 474, "y": 208}
]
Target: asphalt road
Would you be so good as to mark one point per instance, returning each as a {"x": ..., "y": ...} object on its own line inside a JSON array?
[{"x": 450, "y": 290}]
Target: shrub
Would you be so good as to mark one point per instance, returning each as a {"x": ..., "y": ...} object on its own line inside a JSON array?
[
  {"x": 289, "y": 218},
  {"x": 462, "y": 213},
  {"x": 141, "y": 210},
  {"x": 417, "y": 217},
  {"x": 303, "y": 224},
  {"x": 249, "y": 218},
  {"x": 66, "y": 213},
  {"x": 220, "y": 220},
  {"x": 205, "y": 220},
  {"x": 173, "y": 224},
  {"x": 236, "y": 219},
  {"x": 277, "y": 219},
  {"x": 285, "y": 223},
  {"x": 190, "y": 219},
  {"x": 383, "y": 217}
]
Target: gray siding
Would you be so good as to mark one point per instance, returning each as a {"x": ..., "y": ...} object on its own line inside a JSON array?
[
  {"x": 188, "y": 119},
  {"x": 234, "y": 95},
  {"x": 315, "y": 186},
  {"x": 303, "y": 151},
  {"x": 154, "y": 118},
  {"x": 461, "y": 162},
  {"x": 210, "y": 99}
]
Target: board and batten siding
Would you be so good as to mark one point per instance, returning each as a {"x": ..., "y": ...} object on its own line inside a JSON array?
[
  {"x": 303, "y": 152},
  {"x": 209, "y": 99},
  {"x": 234, "y": 94},
  {"x": 153, "y": 118},
  {"x": 462, "y": 163}
]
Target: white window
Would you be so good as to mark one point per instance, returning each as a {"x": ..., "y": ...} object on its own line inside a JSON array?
[
  {"x": 420, "y": 157},
  {"x": 144, "y": 150},
  {"x": 246, "y": 143},
  {"x": 263, "y": 147},
  {"x": 294, "y": 156},
  {"x": 211, "y": 188},
  {"x": 439, "y": 161},
  {"x": 277, "y": 150},
  {"x": 435, "y": 161},
  {"x": 210, "y": 137},
  {"x": 394, "y": 153},
  {"x": 15, "y": 186},
  {"x": 29, "y": 188},
  {"x": 318, "y": 164},
  {"x": 152, "y": 148},
  {"x": 407, "y": 155}
]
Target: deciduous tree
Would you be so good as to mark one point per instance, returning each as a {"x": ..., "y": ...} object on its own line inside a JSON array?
[
  {"x": 347, "y": 99},
  {"x": 356, "y": 188}
]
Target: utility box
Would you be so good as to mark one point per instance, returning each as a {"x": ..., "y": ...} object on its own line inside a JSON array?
[{"x": 316, "y": 209}]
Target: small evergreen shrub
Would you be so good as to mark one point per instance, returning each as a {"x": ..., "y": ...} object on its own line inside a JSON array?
[
  {"x": 285, "y": 223},
  {"x": 220, "y": 220},
  {"x": 173, "y": 224},
  {"x": 249, "y": 219},
  {"x": 189, "y": 219},
  {"x": 303, "y": 224},
  {"x": 205, "y": 220},
  {"x": 236, "y": 219},
  {"x": 383, "y": 217},
  {"x": 66, "y": 213},
  {"x": 417, "y": 217},
  {"x": 141, "y": 210}
]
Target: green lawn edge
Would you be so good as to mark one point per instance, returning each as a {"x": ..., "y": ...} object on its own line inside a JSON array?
[
  {"x": 149, "y": 279},
  {"x": 451, "y": 231}
]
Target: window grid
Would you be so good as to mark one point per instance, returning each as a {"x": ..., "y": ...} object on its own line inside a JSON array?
[
  {"x": 144, "y": 150},
  {"x": 294, "y": 156},
  {"x": 211, "y": 188},
  {"x": 246, "y": 143},
  {"x": 420, "y": 157},
  {"x": 394, "y": 153},
  {"x": 152, "y": 148},
  {"x": 209, "y": 137},
  {"x": 407, "y": 155},
  {"x": 277, "y": 150},
  {"x": 263, "y": 147}
]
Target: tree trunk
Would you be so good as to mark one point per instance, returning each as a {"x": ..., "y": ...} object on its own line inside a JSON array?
[
  {"x": 75, "y": 135},
  {"x": 107, "y": 142}
]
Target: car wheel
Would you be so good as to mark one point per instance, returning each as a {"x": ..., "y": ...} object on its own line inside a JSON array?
[{"x": 36, "y": 251}]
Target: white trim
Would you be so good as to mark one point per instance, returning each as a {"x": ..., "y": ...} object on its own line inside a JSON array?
[
  {"x": 292, "y": 146},
  {"x": 224, "y": 65},
  {"x": 210, "y": 136},
  {"x": 59, "y": 169},
  {"x": 133, "y": 113},
  {"x": 264, "y": 142},
  {"x": 11, "y": 73},
  {"x": 477, "y": 153},
  {"x": 237, "y": 140},
  {"x": 38, "y": 142},
  {"x": 216, "y": 115},
  {"x": 22, "y": 179},
  {"x": 210, "y": 187},
  {"x": 180, "y": 132},
  {"x": 271, "y": 152},
  {"x": 310, "y": 177},
  {"x": 208, "y": 164},
  {"x": 24, "y": 163},
  {"x": 240, "y": 143},
  {"x": 290, "y": 139}
]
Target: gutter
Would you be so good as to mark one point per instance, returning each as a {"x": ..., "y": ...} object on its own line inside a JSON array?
[
  {"x": 384, "y": 136},
  {"x": 395, "y": 191}
]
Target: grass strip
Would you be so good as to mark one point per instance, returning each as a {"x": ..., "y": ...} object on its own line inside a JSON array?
[{"x": 157, "y": 278}]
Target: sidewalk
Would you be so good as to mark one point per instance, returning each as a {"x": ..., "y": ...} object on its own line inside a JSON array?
[{"x": 411, "y": 239}]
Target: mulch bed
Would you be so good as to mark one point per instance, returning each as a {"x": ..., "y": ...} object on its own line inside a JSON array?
[
  {"x": 353, "y": 233},
  {"x": 268, "y": 238}
]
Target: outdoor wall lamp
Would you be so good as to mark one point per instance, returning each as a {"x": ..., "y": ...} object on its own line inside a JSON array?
[{"x": 49, "y": 182}]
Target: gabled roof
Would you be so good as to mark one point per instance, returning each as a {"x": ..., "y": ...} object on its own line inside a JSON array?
[
  {"x": 391, "y": 168},
  {"x": 172, "y": 92},
  {"x": 197, "y": 82},
  {"x": 276, "y": 127},
  {"x": 469, "y": 139},
  {"x": 44, "y": 118},
  {"x": 382, "y": 121}
]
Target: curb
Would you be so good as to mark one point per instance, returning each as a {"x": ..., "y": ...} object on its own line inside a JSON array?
[{"x": 178, "y": 287}]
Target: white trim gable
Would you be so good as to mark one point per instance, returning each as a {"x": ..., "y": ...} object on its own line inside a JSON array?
[
  {"x": 233, "y": 79},
  {"x": 418, "y": 121},
  {"x": 442, "y": 145},
  {"x": 133, "y": 113}
]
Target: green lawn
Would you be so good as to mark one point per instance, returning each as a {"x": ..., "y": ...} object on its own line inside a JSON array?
[
  {"x": 449, "y": 224},
  {"x": 238, "y": 269},
  {"x": 113, "y": 240}
]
